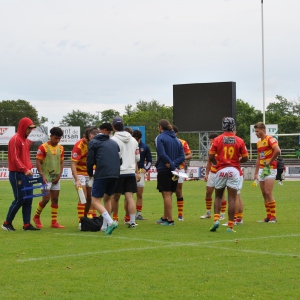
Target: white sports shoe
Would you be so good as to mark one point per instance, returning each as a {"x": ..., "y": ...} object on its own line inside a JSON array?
[
  {"x": 207, "y": 215},
  {"x": 222, "y": 217}
]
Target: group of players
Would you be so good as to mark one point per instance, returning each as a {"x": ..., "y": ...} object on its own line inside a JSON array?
[{"x": 223, "y": 171}]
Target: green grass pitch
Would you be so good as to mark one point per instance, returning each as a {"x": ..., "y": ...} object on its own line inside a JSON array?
[{"x": 187, "y": 261}]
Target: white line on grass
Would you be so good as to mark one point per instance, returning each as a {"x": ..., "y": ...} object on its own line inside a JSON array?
[{"x": 166, "y": 244}]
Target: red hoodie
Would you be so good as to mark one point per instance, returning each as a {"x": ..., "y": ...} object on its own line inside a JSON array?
[{"x": 19, "y": 149}]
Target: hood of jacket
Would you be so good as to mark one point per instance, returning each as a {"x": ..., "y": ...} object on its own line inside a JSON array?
[
  {"x": 170, "y": 133},
  {"x": 23, "y": 125},
  {"x": 124, "y": 136},
  {"x": 101, "y": 137}
]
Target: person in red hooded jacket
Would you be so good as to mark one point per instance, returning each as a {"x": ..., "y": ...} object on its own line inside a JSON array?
[{"x": 19, "y": 166}]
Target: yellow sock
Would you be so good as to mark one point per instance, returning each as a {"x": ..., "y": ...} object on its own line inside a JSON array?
[
  {"x": 80, "y": 211},
  {"x": 272, "y": 207},
  {"x": 39, "y": 209},
  {"x": 180, "y": 204},
  {"x": 223, "y": 207},
  {"x": 208, "y": 202},
  {"x": 216, "y": 217},
  {"x": 54, "y": 209}
]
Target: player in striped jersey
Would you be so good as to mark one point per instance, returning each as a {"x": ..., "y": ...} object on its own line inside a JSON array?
[{"x": 267, "y": 152}]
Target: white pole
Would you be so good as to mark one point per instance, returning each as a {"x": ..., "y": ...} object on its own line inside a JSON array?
[{"x": 263, "y": 60}]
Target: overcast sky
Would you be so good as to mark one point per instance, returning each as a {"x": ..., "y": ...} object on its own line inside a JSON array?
[{"x": 94, "y": 55}]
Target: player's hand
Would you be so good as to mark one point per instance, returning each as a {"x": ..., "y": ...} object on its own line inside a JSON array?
[
  {"x": 138, "y": 177},
  {"x": 205, "y": 178},
  {"x": 29, "y": 173},
  {"x": 77, "y": 184}
]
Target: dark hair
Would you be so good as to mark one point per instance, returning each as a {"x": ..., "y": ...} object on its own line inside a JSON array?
[
  {"x": 93, "y": 130},
  {"x": 106, "y": 126},
  {"x": 128, "y": 129},
  {"x": 89, "y": 130},
  {"x": 56, "y": 131},
  {"x": 260, "y": 125},
  {"x": 137, "y": 134},
  {"x": 119, "y": 127},
  {"x": 212, "y": 136},
  {"x": 165, "y": 125},
  {"x": 175, "y": 128}
]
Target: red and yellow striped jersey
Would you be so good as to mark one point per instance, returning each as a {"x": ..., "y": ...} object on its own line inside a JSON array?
[
  {"x": 186, "y": 150},
  {"x": 229, "y": 149},
  {"x": 79, "y": 155},
  {"x": 265, "y": 151}
]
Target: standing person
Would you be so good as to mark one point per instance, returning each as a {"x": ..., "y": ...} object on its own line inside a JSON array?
[
  {"x": 170, "y": 156},
  {"x": 126, "y": 185},
  {"x": 79, "y": 171},
  {"x": 105, "y": 154},
  {"x": 50, "y": 164},
  {"x": 280, "y": 169},
  {"x": 19, "y": 166},
  {"x": 144, "y": 166},
  {"x": 231, "y": 151},
  {"x": 265, "y": 169},
  {"x": 182, "y": 168},
  {"x": 209, "y": 178}
]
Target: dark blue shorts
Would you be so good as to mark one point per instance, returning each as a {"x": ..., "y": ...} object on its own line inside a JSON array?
[{"x": 104, "y": 186}]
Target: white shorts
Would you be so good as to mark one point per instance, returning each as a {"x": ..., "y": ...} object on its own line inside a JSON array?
[
  {"x": 241, "y": 184},
  {"x": 211, "y": 179},
  {"x": 53, "y": 186},
  {"x": 181, "y": 179},
  {"x": 271, "y": 176},
  {"x": 229, "y": 177},
  {"x": 84, "y": 180},
  {"x": 141, "y": 183}
]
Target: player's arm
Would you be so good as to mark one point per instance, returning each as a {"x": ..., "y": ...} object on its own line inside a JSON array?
[
  {"x": 74, "y": 173},
  {"x": 38, "y": 163},
  {"x": 212, "y": 158},
  {"x": 208, "y": 166},
  {"x": 276, "y": 152},
  {"x": 257, "y": 166},
  {"x": 62, "y": 157}
]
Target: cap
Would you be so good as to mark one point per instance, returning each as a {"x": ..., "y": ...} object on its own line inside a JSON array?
[
  {"x": 117, "y": 120},
  {"x": 228, "y": 124},
  {"x": 32, "y": 126}
]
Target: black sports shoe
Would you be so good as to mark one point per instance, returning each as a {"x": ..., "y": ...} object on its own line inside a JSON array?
[
  {"x": 8, "y": 227},
  {"x": 30, "y": 227}
]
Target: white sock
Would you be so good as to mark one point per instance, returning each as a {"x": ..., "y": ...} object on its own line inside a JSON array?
[
  {"x": 132, "y": 218},
  {"x": 106, "y": 219}
]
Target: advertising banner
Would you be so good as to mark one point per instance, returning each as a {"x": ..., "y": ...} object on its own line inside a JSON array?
[
  {"x": 71, "y": 135},
  {"x": 142, "y": 129},
  {"x": 39, "y": 135},
  {"x": 6, "y": 133}
]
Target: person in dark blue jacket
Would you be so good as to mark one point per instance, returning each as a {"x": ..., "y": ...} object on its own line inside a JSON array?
[
  {"x": 143, "y": 167},
  {"x": 169, "y": 157},
  {"x": 105, "y": 154}
]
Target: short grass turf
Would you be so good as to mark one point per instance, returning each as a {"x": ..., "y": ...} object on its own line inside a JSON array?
[{"x": 185, "y": 261}]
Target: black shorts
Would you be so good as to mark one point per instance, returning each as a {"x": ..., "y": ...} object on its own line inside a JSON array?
[
  {"x": 165, "y": 182},
  {"x": 126, "y": 184},
  {"x": 104, "y": 186}
]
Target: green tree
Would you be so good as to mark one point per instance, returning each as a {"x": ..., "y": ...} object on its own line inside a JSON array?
[
  {"x": 148, "y": 114},
  {"x": 108, "y": 115},
  {"x": 246, "y": 115},
  {"x": 285, "y": 113},
  {"x": 79, "y": 118},
  {"x": 11, "y": 111}
]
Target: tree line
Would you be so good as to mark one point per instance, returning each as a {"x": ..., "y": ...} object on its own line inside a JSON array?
[{"x": 283, "y": 112}]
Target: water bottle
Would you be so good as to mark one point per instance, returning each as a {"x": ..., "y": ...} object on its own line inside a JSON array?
[{"x": 81, "y": 195}]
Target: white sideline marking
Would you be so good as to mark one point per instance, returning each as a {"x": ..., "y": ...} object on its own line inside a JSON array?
[{"x": 166, "y": 244}]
